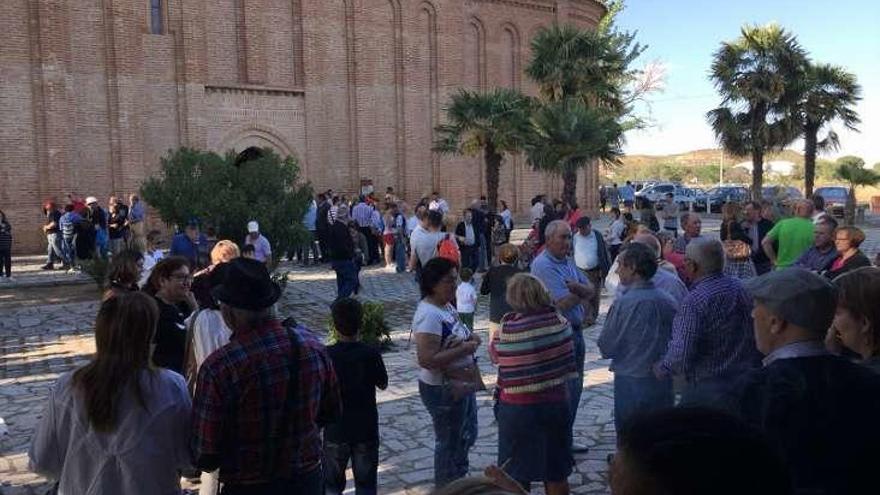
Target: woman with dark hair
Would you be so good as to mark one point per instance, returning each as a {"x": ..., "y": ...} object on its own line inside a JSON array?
[
  {"x": 116, "y": 423},
  {"x": 737, "y": 243},
  {"x": 445, "y": 350},
  {"x": 857, "y": 319},
  {"x": 847, "y": 241},
  {"x": 125, "y": 271},
  {"x": 170, "y": 283}
]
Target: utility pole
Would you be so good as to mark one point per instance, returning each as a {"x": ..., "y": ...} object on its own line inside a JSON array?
[{"x": 721, "y": 170}]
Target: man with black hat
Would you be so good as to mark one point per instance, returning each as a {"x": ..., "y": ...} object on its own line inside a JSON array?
[
  {"x": 820, "y": 410},
  {"x": 262, "y": 399}
]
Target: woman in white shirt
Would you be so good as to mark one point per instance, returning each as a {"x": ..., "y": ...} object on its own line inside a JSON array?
[
  {"x": 445, "y": 345},
  {"x": 117, "y": 424}
]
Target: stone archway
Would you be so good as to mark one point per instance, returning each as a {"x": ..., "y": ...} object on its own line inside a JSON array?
[{"x": 256, "y": 137}]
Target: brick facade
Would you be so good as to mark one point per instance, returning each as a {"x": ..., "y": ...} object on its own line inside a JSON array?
[{"x": 91, "y": 98}]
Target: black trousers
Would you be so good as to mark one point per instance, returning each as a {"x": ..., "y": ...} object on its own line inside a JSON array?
[
  {"x": 311, "y": 483},
  {"x": 372, "y": 245},
  {"x": 6, "y": 262}
]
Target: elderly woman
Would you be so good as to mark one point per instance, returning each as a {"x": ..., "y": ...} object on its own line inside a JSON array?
[
  {"x": 857, "y": 319},
  {"x": 495, "y": 285},
  {"x": 445, "y": 350},
  {"x": 847, "y": 241},
  {"x": 535, "y": 355},
  {"x": 203, "y": 280}
]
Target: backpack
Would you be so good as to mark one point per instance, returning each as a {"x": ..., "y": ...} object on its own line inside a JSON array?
[{"x": 448, "y": 249}]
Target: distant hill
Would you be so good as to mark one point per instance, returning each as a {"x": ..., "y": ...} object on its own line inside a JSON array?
[{"x": 699, "y": 158}]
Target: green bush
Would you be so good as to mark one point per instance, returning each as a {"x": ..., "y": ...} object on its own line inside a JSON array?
[
  {"x": 97, "y": 268},
  {"x": 374, "y": 330},
  {"x": 226, "y": 192}
]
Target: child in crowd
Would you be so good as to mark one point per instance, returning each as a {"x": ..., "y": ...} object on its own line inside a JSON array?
[
  {"x": 466, "y": 298},
  {"x": 361, "y": 371},
  {"x": 248, "y": 251},
  {"x": 153, "y": 255}
]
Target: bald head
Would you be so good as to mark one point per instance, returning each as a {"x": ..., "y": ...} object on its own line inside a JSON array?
[{"x": 648, "y": 240}]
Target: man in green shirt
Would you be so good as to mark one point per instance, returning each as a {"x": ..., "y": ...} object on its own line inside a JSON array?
[{"x": 795, "y": 235}]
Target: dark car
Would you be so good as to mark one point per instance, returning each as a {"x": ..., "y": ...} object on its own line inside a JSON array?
[
  {"x": 717, "y": 196},
  {"x": 835, "y": 199}
]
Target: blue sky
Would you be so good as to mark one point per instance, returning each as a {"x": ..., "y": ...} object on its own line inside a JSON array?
[{"x": 683, "y": 34}]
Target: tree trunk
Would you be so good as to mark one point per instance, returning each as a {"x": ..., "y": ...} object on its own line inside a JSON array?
[
  {"x": 569, "y": 186},
  {"x": 493, "y": 172},
  {"x": 850, "y": 212},
  {"x": 757, "y": 173},
  {"x": 810, "y": 140}
]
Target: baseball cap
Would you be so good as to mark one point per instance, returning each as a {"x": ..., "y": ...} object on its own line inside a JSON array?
[
  {"x": 253, "y": 227},
  {"x": 91, "y": 199},
  {"x": 798, "y": 296}
]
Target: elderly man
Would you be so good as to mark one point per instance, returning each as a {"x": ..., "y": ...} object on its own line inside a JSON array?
[
  {"x": 820, "y": 410},
  {"x": 795, "y": 235},
  {"x": 820, "y": 256},
  {"x": 263, "y": 398},
  {"x": 591, "y": 257},
  {"x": 570, "y": 291},
  {"x": 666, "y": 280},
  {"x": 712, "y": 342},
  {"x": 691, "y": 225},
  {"x": 635, "y": 336}
]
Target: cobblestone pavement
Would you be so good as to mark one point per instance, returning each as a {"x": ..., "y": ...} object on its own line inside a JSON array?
[{"x": 38, "y": 341}]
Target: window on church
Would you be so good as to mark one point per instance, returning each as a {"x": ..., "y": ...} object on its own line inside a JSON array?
[{"x": 157, "y": 22}]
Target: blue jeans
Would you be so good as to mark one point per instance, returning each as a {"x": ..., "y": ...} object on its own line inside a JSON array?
[
  {"x": 364, "y": 462},
  {"x": 102, "y": 242},
  {"x": 576, "y": 385},
  {"x": 68, "y": 248},
  {"x": 400, "y": 255},
  {"x": 455, "y": 431},
  {"x": 54, "y": 250},
  {"x": 346, "y": 277},
  {"x": 634, "y": 395}
]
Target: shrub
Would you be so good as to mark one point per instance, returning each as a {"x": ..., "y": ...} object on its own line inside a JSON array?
[
  {"x": 374, "y": 330},
  {"x": 226, "y": 192}
]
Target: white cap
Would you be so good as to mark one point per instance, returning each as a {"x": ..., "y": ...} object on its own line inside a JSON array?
[
  {"x": 91, "y": 199},
  {"x": 253, "y": 227}
]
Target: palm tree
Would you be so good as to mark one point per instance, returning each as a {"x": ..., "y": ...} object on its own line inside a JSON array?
[
  {"x": 569, "y": 135},
  {"x": 826, "y": 93},
  {"x": 752, "y": 74},
  {"x": 496, "y": 123},
  {"x": 852, "y": 169}
]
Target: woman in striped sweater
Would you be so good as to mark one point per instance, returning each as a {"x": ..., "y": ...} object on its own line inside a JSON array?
[{"x": 535, "y": 355}]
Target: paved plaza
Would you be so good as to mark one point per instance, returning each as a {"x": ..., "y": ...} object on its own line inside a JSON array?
[{"x": 46, "y": 330}]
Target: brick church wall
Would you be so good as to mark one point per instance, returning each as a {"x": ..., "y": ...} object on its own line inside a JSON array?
[{"x": 92, "y": 99}]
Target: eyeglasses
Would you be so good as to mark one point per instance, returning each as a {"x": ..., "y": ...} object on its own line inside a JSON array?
[{"x": 182, "y": 278}]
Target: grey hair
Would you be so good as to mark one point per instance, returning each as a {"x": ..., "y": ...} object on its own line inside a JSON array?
[
  {"x": 553, "y": 226},
  {"x": 707, "y": 253},
  {"x": 682, "y": 220}
]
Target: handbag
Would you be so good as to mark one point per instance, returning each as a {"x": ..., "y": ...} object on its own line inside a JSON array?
[
  {"x": 464, "y": 380},
  {"x": 736, "y": 250}
]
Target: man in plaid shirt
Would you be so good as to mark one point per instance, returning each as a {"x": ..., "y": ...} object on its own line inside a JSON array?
[{"x": 262, "y": 398}]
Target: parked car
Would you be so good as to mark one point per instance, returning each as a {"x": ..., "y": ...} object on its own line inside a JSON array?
[
  {"x": 783, "y": 195},
  {"x": 835, "y": 199},
  {"x": 654, "y": 193},
  {"x": 717, "y": 196}
]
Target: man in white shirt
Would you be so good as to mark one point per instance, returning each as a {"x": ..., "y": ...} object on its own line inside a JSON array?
[
  {"x": 262, "y": 248},
  {"x": 591, "y": 257},
  {"x": 537, "y": 211}
]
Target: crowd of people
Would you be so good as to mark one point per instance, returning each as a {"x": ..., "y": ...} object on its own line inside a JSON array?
[{"x": 745, "y": 364}]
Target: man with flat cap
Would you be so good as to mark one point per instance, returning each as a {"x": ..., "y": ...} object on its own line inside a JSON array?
[
  {"x": 821, "y": 411},
  {"x": 262, "y": 399}
]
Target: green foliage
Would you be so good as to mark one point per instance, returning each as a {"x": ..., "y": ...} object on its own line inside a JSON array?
[
  {"x": 225, "y": 194},
  {"x": 97, "y": 268},
  {"x": 752, "y": 75},
  {"x": 852, "y": 170},
  {"x": 374, "y": 329},
  {"x": 494, "y": 123}
]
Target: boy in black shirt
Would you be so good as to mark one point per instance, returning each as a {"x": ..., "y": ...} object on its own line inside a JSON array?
[{"x": 360, "y": 370}]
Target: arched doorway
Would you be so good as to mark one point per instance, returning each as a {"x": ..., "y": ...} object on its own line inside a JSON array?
[{"x": 248, "y": 154}]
